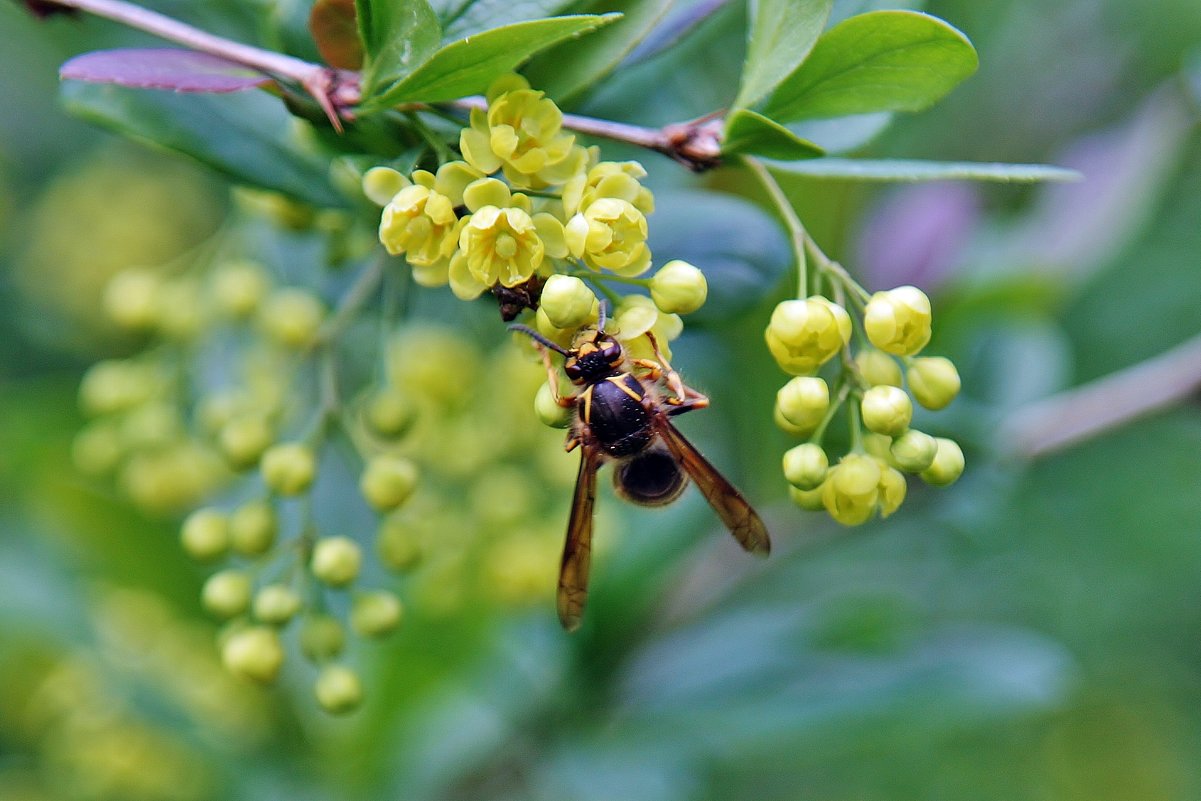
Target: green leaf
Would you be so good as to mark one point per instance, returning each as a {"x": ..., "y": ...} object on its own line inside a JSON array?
[
  {"x": 573, "y": 67},
  {"x": 481, "y": 15},
  {"x": 469, "y": 66},
  {"x": 245, "y": 136},
  {"x": 750, "y": 132},
  {"x": 913, "y": 171},
  {"x": 782, "y": 34},
  {"x": 398, "y": 37},
  {"x": 882, "y": 61}
]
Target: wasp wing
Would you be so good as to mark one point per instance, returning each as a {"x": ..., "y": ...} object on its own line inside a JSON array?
[
  {"x": 744, "y": 523},
  {"x": 577, "y": 549}
]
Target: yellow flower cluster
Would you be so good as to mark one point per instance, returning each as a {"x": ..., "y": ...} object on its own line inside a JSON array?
[{"x": 806, "y": 334}]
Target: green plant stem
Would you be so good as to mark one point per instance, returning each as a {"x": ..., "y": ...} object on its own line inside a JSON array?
[
  {"x": 859, "y": 295},
  {"x": 352, "y": 302},
  {"x": 797, "y": 235},
  {"x": 856, "y": 426},
  {"x": 820, "y": 431},
  {"x": 620, "y": 279}
]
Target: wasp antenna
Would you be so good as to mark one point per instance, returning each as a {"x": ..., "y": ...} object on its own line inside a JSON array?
[
  {"x": 601, "y": 315},
  {"x": 534, "y": 335}
]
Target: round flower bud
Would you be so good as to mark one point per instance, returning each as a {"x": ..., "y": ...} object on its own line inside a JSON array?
[
  {"x": 550, "y": 412},
  {"x": 805, "y": 334},
  {"x": 886, "y": 410},
  {"x": 289, "y": 468},
  {"x": 803, "y": 402},
  {"x": 787, "y": 427},
  {"x": 934, "y": 381},
  {"x": 276, "y": 604},
  {"x": 254, "y": 653},
  {"x": 805, "y": 466},
  {"x": 852, "y": 490},
  {"x": 567, "y": 301},
  {"x": 244, "y": 438},
  {"x": 292, "y": 317},
  {"x": 239, "y": 287},
  {"x": 321, "y": 637},
  {"x": 252, "y": 528},
  {"x": 892, "y": 490},
  {"x": 227, "y": 594},
  {"x": 898, "y": 321},
  {"x": 98, "y": 449},
  {"x": 877, "y": 445},
  {"x": 679, "y": 288},
  {"x": 338, "y": 689},
  {"x": 878, "y": 368},
  {"x": 336, "y": 560},
  {"x": 131, "y": 298},
  {"x": 947, "y": 466},
  {"x": 389, "y": 413},
  {"x": 388, "y": 481},
  {"x": 380, "y": 184},
  {"x": 205, "y": 534},
  {"x": 398, "y": 544},
  {"x": 809, "y": 500},
  {"x": 375, "y": 614},
  {"x": 913, "y": 451}
]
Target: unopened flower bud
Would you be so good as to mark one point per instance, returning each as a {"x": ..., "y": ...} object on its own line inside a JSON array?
[
  {"x": 803, "y": 402},
  {"x": 913, "y": 451},
  {"x": 227, "y": 594},
  {"x": 292, "y": 317},
  {"x": 892, "y": 490},
  {"x": 679, "y": 288},
  {"x": 567, "y": 302},
  {"x": 805, "y": 466},
  {"x": 809, "y": 500},
  {"x": 375, "y": 614},
  {"x": 549, "y": 411},
  {"x": 131, "y": 298},
  {"x": 276, "y": 604},
  {"x": 289, "y": 468},
  {"x": 205, "y": 534},
  {"x": 254, "y": 653},
  {"x": 388, "y": 481},
  {"x": 898, "y": 321},
  {"x": 886, "y": 410},
  {"x": 947, "y": 466},
  {"x": 805, "y": 334},
  {"x": 321, "y": 637},
  {"x": 338, "y": 689},
  {"x": 252, "y": 528},
  {"x": 389, "y": 413},
  {"x": 877, "y": 367},
  {"x": 239, "y": 287},
  {"x": 852, "y": 490},
  {"x": 244, "y": 438},
  {"x": 336, "y": 561},
  {"x": 398, "y": 543},
  {"x": 934, "y": 381}
]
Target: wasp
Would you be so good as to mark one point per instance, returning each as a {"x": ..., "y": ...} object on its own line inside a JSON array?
[{"x": 624, "y": 416}]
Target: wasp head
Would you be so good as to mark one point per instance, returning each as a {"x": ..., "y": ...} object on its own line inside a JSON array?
[{"x": 596, "y": 356}]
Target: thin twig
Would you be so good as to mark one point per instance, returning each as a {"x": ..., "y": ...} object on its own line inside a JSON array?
[
  {"x": 796, "y": 230},
  {"x": 350, "y": 303},
  {"x": 1060, "y": 421}
]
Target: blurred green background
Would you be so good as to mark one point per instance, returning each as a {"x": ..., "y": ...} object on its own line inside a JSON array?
[{"x": 1032, "y": 633}]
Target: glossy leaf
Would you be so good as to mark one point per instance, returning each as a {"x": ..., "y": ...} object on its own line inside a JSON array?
[
  {"x": 910, "y": 171},
  {"x": 163, "y": 68},
  {"x": 750, "y": 132},
  {"x": 334, "y": 26},
  {"x": 469, "y": 66},
  {"x": 782, "y": 34},
  {"x": 243, "y": 136},
  {"x": 398, "y": 37},
  {"x": 571, "y": 68},
  {"x": 882, "y": 61},
  {"x": 483, "y": 15}
]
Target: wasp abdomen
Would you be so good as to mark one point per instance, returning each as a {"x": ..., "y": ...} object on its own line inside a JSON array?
[{"x": 616, "y": 416}]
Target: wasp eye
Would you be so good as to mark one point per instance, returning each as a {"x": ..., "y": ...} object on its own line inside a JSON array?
[{"x": 572, "y": 369}]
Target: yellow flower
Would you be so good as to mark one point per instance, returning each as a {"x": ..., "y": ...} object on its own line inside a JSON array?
[
  {"x": 521, "y": 133},
  {"x": 607, "y": 179},
  {"x": 634, "y": 317},
  {"x": 898, "y": 321},
  {"x": 502, "y": 242},
  {"x": 805, "y": 334},
  {"x": 421, "y": 224},
  {"x": 610, "y": 235},
  {"x": 851, "y": 492}
]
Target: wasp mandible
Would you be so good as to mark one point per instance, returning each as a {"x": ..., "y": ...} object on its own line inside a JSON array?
[{"x": 624, "y": 416}]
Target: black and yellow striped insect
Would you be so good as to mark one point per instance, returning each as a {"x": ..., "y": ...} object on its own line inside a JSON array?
[{"x": 622, "y": 415}]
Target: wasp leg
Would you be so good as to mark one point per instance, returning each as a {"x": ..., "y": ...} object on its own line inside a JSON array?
[
  {"x": 653, "y": 368},
  {"x": 674, "y": 382},
  {"x": 695, "y": 401},
  {"x": 552, "y": 379},
  {"x": 571, "y": 444}
]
